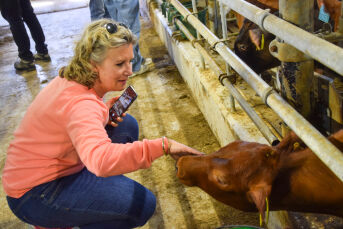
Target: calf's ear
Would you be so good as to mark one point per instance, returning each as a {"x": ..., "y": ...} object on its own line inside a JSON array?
[
  {"x": 258, "y": 195},
  {"x": 255, "y": 37}
]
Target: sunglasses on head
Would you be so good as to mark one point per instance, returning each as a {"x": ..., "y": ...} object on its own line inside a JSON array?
[{"x": 113, "y": 28}]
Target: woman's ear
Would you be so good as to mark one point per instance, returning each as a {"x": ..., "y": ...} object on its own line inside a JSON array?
[
  {"x": 94, "y": 65},
  {"x": 95, "y": 68}
]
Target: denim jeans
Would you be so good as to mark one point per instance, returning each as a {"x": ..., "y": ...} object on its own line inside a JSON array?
[
  {"x": 16, "y": 12},
  {"x": 98, "y": 10},
  {"x": 88, "y": 201},
  {"x": 127, "y": 12}
]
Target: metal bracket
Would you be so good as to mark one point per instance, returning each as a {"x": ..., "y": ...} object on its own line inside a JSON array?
[
  {"x": 186, "y": 17},
  {"x": 267, "y": 92},
  {"x": 197, "y": 40},
  {"x": 286, "y": 53},
  {"x": 175, "y": 16},
  {"x": 213, "y": 47},
  {"x": 176, "y": 33},
  {"x": 231, "y": 78},
  {"x": 260, "y": 18}
]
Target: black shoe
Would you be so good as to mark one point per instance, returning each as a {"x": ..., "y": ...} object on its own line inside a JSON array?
[
  {"x": 24, "y": 65},
  {"x": 42, "y": 57}
]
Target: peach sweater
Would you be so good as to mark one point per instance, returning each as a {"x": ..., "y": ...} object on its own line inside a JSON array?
[{"x": 63, "y": 131}]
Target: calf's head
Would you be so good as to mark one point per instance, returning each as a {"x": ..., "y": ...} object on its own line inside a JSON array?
[
  {"x": 252, "y": 46},
  {"x": 239, "y": 174}
]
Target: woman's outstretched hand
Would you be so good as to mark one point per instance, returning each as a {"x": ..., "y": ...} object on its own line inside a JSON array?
[{"x": 177, "y": 150}]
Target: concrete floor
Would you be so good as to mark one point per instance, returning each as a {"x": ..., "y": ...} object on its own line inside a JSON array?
[{"x": 164, "y": 107}]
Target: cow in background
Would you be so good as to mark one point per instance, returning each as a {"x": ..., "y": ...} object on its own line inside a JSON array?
[
  {"x": 243, "y": 174},
  {"x": 253, "y": 49}
]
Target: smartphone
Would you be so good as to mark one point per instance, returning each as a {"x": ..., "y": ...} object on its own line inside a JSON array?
[{"x": 123, "y": 103}]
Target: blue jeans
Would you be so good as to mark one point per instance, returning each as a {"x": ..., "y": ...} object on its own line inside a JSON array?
[
  {"x": 88, "y": 201},
  {"x": 127, "y": 12},
  {"x": 98, "y": 10}
]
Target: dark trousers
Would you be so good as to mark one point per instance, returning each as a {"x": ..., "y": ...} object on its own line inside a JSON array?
[{"x": 16, "y": 12}]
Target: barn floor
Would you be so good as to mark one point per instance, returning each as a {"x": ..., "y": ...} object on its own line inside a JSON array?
[{"x": 164, "y": 107}]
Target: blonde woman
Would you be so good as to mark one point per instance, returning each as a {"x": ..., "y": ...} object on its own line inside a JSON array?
[{"x": 64, "y": 167}]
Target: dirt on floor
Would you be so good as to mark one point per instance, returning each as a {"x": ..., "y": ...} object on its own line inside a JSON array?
[{"x": 164, "y": 108}]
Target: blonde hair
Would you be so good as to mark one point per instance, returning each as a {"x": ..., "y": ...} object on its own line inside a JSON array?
[{"x": 92, "y": 48}]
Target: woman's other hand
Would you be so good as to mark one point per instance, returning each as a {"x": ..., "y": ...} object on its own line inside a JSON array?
[
  {"x": 109, "y": 104},
  {"x": 177, "y": 150}
]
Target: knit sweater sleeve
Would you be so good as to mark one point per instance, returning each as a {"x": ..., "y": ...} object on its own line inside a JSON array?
[{"x": 85, "y": 127}]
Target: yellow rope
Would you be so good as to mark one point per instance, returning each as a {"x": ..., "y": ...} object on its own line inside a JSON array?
[
  {"x": 261, "y": 220},
  {"x": 267, "y": 215}
]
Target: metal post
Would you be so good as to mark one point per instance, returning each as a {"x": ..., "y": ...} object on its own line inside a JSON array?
[
  {"x": 195, "y": 11},
  {"x": 211, "y": 15},
  {"x": 227, "y": 66},
  {"x": 297, "y": 77}
]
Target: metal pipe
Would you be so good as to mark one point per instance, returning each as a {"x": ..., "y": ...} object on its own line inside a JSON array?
[
  {"x": 297, "y": 75},
  {"x": 327, "y": 152},
  {"x": 224, "y": 29},
  {"x": 266, "y": 132},
  {"x": 323, "y": 51},
  {"x": 227, "y": 66}
]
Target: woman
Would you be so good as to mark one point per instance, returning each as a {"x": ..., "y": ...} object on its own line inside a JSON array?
[{"x": 63, "y": 168}]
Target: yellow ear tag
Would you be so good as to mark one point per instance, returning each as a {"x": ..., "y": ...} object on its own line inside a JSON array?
[
  {"x": 296, "y": 145},
  {"x": 262, "y": 44}
]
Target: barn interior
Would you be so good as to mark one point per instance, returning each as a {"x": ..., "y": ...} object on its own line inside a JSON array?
[{"x": 200, "y": 94}]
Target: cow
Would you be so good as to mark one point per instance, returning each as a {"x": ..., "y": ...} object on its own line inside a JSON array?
[
  {"x": 244, "y": 174},
  {"x": 251, "y": 44}
]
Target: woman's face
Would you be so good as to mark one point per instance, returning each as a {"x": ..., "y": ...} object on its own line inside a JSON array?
[{"x": 114, "y": 70}]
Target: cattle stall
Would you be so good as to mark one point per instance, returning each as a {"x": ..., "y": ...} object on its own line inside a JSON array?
[{"x": 302, "y": 47}]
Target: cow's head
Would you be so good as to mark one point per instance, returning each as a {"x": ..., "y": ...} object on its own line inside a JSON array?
[
  {"x": 252, "y": 46},
  {"x": 239, "y": 174}
]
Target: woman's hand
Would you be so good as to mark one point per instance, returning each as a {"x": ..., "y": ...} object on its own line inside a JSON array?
[
  {"x": 177, "y": 150},
  {"x": 109, "y": 104}
]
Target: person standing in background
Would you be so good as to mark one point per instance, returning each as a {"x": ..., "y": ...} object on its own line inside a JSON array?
[
  {"x": 16, "y": 12},
  {"x": 127, "y": 12},
  {"x": 98, "y": 10}
]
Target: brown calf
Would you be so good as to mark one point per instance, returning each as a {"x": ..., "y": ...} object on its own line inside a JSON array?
[{"x": 242, "y": 174}]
